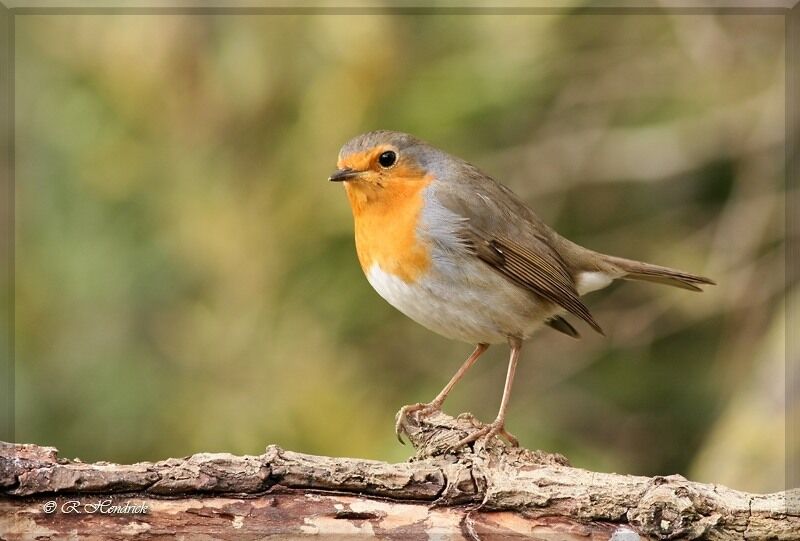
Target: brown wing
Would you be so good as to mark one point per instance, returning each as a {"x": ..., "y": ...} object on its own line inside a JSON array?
[
  {"x": 503, "y": 233},
  {"x": 534, "y": 266}
]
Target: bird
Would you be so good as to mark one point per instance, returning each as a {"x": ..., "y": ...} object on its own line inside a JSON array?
[{"x": 461, "y": 254}]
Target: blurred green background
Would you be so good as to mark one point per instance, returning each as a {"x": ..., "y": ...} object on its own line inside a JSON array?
[{"x": 186, "y": 278}]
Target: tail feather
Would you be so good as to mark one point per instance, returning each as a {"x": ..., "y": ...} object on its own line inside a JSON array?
[{"x": 637, "y": 270}]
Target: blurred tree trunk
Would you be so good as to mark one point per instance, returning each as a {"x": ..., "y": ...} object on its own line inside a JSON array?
[
  {"x": 493, "y": 492},
  {"x": 753, "y": 427}
]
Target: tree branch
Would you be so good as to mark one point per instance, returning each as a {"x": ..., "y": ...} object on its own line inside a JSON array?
[{"x": 489, "y": 492}]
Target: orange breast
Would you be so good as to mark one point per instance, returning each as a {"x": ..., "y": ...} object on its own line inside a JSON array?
[{"x": 386, "y": 221}]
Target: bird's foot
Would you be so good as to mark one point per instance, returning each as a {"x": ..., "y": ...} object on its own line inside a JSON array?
[
  {"x": 486, "y": 433},
  {"x": 419, "y": 409}
]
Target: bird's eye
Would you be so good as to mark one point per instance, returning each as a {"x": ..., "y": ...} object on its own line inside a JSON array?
[{"x": 387, "y": 159}]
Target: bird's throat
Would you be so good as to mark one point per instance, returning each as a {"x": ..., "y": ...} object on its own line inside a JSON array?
[{"x": 386, "y": 219}]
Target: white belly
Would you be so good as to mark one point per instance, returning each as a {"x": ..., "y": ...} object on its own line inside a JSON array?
[{"x": 469, "y": 302}]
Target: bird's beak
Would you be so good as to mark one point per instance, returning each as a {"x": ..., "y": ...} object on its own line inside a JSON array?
[{"x": 343, "y": 174}]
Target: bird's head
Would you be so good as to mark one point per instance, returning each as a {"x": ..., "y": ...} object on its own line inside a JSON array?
[{"x": 381, "y": 160}]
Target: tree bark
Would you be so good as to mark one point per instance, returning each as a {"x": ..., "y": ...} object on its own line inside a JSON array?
[{"x": 488, "y": 492}]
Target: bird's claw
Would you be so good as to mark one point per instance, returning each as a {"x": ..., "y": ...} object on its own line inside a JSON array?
[
  {"x": 420, "y": 409},
  {"x": 486, "y": 433}
]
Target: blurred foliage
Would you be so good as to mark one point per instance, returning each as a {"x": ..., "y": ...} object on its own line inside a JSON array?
[{"x": 186, "y": 278}]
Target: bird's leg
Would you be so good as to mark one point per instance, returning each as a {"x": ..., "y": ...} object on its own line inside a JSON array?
[
  {"x": 497, "y": 427},
  {"x": 436, "y": 404}
]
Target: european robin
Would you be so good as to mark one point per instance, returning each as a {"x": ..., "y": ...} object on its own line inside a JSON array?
[{"x": 461, "y": 254}]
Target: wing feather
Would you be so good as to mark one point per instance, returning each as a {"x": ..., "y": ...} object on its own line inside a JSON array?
[{"x": 506, "y": 235}]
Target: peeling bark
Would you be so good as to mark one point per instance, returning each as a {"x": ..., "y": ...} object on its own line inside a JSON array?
[{"x": 492, "y": 492}]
